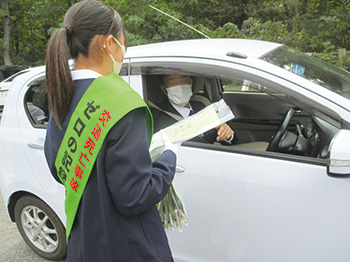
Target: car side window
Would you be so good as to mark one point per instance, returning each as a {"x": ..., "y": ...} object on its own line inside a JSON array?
[
  {"x": 263, "y": 109},
  {"x": 36, "y": 102},
  {"x": 36, "y": 105},
  {"x": 245, "y": 86}
]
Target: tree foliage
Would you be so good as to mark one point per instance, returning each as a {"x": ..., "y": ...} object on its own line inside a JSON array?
[{"x": 318, "y": 26}]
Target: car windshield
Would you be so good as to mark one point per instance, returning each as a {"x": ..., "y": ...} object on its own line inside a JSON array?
[{"x": 315, "y": 70}]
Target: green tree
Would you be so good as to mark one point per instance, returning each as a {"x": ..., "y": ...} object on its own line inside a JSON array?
[
  {"x": 31, "y": 22},
  {"x": 319, "y": 26}
]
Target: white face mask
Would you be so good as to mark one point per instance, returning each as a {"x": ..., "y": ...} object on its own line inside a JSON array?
[
  {"x": 180, "y": 94},
  {"x": 116, "y": 65}
]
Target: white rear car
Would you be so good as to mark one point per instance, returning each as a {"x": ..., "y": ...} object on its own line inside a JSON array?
[
  {"x": 280, "y": 193},
  {"x": 6, "y": 84}
]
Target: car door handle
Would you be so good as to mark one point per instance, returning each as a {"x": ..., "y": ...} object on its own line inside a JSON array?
[
  {"x": 36, "y": 146},
  {"x": 180, "y": 169}
]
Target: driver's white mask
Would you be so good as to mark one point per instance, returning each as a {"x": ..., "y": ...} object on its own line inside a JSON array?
[{"x": 180, "y": 94}]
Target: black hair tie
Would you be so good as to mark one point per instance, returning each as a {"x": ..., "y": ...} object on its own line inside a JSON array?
[{"x": 68, "y": 28}]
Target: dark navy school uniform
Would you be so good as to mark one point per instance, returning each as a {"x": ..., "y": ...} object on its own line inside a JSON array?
[{"x": 117, "y": 219}]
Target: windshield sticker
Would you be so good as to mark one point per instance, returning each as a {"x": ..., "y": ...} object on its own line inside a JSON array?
[{"x": 297, "y": 69}]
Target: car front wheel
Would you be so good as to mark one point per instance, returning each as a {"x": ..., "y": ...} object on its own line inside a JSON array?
[{"x": 41, "y": 228}]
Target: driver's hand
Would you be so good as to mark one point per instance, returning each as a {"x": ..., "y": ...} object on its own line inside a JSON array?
[{"x": 224, "y": 132}]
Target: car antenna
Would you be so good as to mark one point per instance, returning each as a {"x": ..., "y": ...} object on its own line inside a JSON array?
[
  {"x": 199, "y": 32},
  {"x": 191, "y": 27}
]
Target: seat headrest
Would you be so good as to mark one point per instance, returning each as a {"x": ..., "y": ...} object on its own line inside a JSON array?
[
  {"x": 198, "y": 84},
  {"x": 202, "y": 84}
]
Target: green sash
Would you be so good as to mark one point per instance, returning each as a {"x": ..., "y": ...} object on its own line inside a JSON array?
[{"x": 105, "y": 102}]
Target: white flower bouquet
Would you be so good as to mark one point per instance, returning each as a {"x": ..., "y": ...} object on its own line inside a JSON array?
[{"x": 172, "y": 211}]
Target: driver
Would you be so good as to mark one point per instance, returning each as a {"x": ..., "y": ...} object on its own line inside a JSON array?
[{"x": 176, "y": 104}]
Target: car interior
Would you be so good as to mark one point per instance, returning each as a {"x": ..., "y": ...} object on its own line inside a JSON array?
[
  {"x": 265, "y": 120},
  {"x": 36, "y": 104}
]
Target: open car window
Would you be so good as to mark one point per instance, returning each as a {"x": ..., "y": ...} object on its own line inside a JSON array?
[
  {"x": 260, "y": 106},
  {"x": 36, "y": 103}
]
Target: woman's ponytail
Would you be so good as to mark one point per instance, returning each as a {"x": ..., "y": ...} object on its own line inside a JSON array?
[
  {"x": 83, "y": 21},
  {"x": 59, "y": 81}
]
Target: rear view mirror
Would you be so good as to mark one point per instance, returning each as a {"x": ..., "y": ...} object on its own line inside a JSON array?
[{"x": 339, "y": 154}]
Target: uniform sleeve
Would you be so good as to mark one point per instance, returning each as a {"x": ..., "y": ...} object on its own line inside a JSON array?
[
  {"x": 52, "y": 142},
  {"x": 135, "y": 183}
]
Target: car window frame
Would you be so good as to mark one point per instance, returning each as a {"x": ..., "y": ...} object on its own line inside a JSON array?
[
  {"x": 144, "y": 66},
  {"x": 41, "y": 79},
  {"x": 176, "y": 64},
  {"x": 30, "y": 85}
]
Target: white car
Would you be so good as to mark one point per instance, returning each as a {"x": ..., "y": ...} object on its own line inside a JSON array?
[
  {"x": 5, "y": 85},
  {"x": 280, "y": 193}
]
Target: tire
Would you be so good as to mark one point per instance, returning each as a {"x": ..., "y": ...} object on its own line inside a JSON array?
[{"x": 41, "y": 228}]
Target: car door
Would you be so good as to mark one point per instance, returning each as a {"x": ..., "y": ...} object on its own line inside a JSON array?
[
  {"x": 246, "y": 207},
  {"x": 33, "y": 113},
  {"x": 245, "y": 204}
]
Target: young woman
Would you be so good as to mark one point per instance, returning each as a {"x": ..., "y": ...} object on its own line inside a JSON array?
[{"x": 97, "y": 143}]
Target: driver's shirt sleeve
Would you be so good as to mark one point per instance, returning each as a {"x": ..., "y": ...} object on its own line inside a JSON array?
[{"x": 135, "y": 183}]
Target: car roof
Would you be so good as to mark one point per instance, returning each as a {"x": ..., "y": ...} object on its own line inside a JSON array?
[
  {"x": 208, "y": 48},
  {"x": 13, "y": 76}
]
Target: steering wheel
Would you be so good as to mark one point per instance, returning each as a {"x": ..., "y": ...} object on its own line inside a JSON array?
[{"x": 273, "y": 146}]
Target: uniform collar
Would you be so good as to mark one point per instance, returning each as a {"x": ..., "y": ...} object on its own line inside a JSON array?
[{"x": 84, "y": 74}]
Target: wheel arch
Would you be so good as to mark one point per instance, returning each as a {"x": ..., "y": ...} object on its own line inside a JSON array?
[{"x": 14, "y": 199}]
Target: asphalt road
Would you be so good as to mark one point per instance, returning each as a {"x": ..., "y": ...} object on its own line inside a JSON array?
[{"x": 12, "y": 246}]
